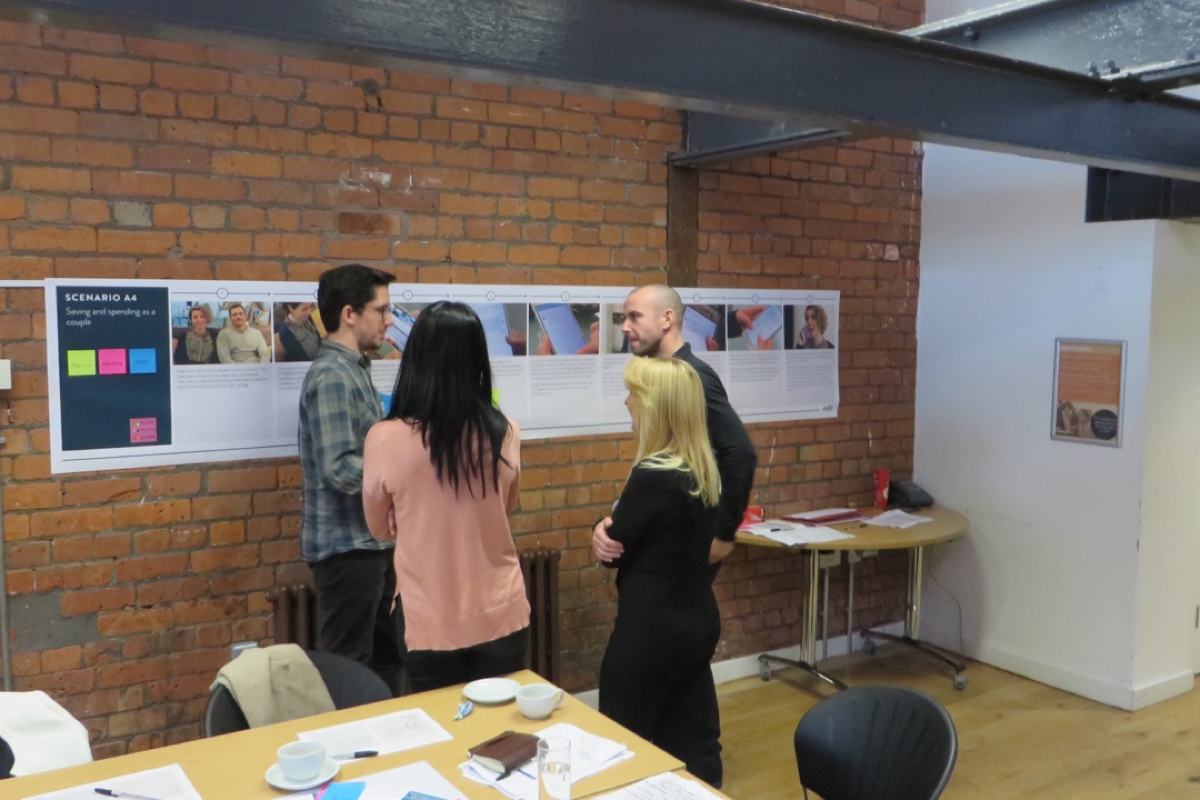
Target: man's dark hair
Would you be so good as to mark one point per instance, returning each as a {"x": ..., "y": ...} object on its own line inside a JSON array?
[
  {"x": 351, "y": 285},
  {"x": 444, "y": 389}
]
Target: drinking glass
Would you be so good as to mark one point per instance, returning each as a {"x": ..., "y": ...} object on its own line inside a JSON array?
[{"x": 554, "y": 768}]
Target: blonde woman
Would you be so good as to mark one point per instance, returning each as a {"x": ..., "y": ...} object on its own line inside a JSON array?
[{"x": 655, "y": 679}]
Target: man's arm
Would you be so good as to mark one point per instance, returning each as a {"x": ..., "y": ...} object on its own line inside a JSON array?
[
  {"x": 264, "y": 352},
  {"x": 604, "y": 547},
  {"x": 223, "y": 347},
  {"x": 337, "y": 444},
  {"x": 735, "y": 455}
]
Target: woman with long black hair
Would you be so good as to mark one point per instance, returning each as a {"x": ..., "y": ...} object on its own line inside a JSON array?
[{"x": 440, "y": 476}]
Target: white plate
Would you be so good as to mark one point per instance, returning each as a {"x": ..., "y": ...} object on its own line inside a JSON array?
[
  {"x": 276, "y": 779},
  {"x": 491, "y": 690}
]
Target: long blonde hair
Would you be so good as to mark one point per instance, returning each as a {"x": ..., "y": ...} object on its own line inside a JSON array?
[{"x": 667, "y": 403}]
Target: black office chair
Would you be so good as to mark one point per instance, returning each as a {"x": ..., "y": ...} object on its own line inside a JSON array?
[
  {"x": 349, "y": 683},
  {"x": 6, "y": 760},
  {"x": 871, "y": 742}
]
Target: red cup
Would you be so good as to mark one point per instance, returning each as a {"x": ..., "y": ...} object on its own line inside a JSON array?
[
  {"x": 753, "y": 515},
  {"x": 882, "y": 476}
]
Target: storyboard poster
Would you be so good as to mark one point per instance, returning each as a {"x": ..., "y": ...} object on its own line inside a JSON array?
[{"x": 158, "y": 373}]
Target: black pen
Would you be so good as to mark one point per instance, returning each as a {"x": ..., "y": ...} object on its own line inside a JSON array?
[
  {"x": 355, "y": 754},
  {"x": 126, "y": 795}
]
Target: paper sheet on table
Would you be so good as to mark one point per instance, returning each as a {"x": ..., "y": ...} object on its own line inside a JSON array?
[
  {"x": 664, "y": 786},
  {"x": 395, "y": 783},
  {"x": 779, "y": 531},
  {"x": 165, "y": 783},
  {"x": 896, "y": 519},
  {"x": 589, "y": 754},
  {"x": 389, "y": 733}
]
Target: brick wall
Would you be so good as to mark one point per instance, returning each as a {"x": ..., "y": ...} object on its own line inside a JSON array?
[{"x": 132, "y": 158}]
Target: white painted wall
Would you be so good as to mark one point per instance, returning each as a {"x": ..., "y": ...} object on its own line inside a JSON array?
[
  {"x": 1169, "y": 553},
  {"x": 1081, "y": 567},
  {"x": 1048, "y": 576}
]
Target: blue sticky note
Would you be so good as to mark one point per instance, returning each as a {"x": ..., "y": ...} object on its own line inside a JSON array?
[
  {"x": 350, "y": 790},
  {"x": 143, "y": 361}
]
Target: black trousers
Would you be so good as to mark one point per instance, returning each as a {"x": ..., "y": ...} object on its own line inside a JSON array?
[
  {"x": 433, "y": 669},
  {"x": 656, "y": 681},
  {"x": 354, "y": 598}
]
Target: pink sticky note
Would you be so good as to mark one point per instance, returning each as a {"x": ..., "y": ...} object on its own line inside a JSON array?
[
  {"x": 144, "y": 429},
  {"x": 112, "y": 362}
]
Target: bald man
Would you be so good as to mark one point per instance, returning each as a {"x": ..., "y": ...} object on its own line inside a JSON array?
[
  {"x": 653, "y": 320},
  {"x": 653, "y": 316}
]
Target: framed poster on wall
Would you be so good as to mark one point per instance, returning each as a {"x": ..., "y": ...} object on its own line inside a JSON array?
[{"x": 1089, "y": 379}]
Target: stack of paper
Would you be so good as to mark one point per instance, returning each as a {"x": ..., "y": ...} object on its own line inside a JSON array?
[
  {"x": 897, "y": 519},
  {"x": 780, "y": 531},
  {"x": 167, "y": 782},
  {"x": 664, "y": 786},
  {"x": 589, "y": 754},
  {"x": 389, "y": 733}
]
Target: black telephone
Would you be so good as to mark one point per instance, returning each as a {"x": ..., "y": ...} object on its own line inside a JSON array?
[{"x": 906, "y": 494}]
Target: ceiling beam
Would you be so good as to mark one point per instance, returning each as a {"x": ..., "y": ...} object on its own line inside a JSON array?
[
  {"x": 722, "y": 56},
  {"x": 1152, "y": 42}
]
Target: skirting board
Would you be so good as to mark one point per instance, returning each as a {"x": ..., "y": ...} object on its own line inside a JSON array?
[
  {"x": 745, "y": 666},
  {"x": 1110, "y": 694}
]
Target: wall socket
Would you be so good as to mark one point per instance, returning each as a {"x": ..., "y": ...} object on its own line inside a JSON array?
[{"x": 237, "y": 648}]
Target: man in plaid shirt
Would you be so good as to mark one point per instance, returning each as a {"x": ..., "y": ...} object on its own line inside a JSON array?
[{"x": 354, "y": 572}]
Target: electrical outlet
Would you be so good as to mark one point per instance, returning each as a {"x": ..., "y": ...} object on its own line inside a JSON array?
[
  {"x": 240, "y": 647},
  {"x": 830, "y": 559}
]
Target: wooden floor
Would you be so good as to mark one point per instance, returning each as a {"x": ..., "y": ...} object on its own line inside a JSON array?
[{"x": 1017, "y": 738}]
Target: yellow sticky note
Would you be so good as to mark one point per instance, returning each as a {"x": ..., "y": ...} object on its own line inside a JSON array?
[
  {"x": 81, "y": 362},
  {"x": 496, "y": 397}
]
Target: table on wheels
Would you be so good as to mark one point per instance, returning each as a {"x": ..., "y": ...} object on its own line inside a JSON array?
[{"x": 945, "y": 525}]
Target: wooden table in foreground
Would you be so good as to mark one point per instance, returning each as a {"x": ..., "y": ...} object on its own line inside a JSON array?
[
  {"x": 233, "y": 766},
  {"x": 945, "y": 525}
]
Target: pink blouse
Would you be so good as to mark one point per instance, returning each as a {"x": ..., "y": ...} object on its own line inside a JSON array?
[{"x": 457, "y": 573}]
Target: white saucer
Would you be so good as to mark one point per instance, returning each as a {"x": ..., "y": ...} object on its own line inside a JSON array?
[
  {"x": 276, "y": 779},
  {"x": 491, "y": 690}
]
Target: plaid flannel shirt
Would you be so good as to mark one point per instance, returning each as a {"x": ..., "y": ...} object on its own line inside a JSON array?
[{"x": 338, "y": 405}]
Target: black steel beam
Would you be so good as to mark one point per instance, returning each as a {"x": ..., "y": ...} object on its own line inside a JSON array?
[
  {"x": 1153, "y": 42},
  {"x": 722, "y": 56},
  {"x": 712, "y": 138},
  {"x": 1114, "y": 195}
]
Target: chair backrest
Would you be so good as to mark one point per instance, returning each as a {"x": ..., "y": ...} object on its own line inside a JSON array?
[
  {"x": 349, "y": 683},
  {"x": 870, "y": 742}
]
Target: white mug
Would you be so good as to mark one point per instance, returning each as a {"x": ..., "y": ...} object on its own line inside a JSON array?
[
  {"x": 301, "y": 761},
  {"x": 537, "y": 700}
]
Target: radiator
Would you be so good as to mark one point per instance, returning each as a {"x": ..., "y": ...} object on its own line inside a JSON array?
[
  {"x": 540, "y": 570},
  {"x": 294, "y": 612}
]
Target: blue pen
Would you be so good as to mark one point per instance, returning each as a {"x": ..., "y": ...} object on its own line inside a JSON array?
[{"x": 464, "y": 709}]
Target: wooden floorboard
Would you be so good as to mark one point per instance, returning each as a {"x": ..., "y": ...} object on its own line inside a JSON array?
[{"x": 1017, "y": 738}]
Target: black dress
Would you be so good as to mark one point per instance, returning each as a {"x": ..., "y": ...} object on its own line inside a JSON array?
[{"x": 655, "y": 678}]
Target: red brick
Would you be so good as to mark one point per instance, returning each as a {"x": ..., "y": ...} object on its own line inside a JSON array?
[
  {"x": 54, "y": 239},
  {"x": 32, "y": 59},
  {"x": 97, "y": 154},
  {"x": 215, "y": 244},
  {"x": 191, "y": 79},
  {"x": 51, "y": 179},
  {"x": 131, "y": 183},
  {"x": 109, "y": 70},
  {"x": 39, "y": 120},
  {"x": 250, "y": 165}
]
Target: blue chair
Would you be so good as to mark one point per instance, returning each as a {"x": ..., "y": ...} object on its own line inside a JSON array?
[
  {"x": 874, "y": 742},
  {"x": 349, "y": 683}
]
